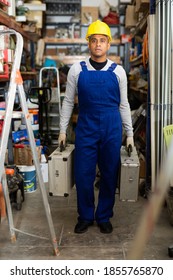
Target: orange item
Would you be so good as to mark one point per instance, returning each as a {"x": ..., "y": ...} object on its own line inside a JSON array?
[
  {"x": 19, "y": 79},
  {"x": 9, "y": 171},
  {"x": 145, "y": 55},
  {"x": 2, "y": 203}
]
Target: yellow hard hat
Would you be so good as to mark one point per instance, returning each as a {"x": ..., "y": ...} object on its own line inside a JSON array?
[{"x": 98, "y": 27}]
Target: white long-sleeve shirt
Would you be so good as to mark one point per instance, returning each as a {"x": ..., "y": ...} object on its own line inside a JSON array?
[{"x": 71, "y": 90}]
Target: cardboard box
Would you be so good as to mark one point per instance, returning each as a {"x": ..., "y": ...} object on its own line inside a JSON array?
[
  {"x": 51, "y": 51},
  {"x": 89, "y": 14},
  {"x": 142, "y": 5},
  {"x": 23, "y": 156},
  {"x": 131, "y": 16},
  {"x": 50, "y": 32},
  {"x": 35, "y": 16}
]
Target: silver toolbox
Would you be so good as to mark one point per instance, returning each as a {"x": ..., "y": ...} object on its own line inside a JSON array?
[
  {"x": 60, "y": 171},
  {"x": 129, "y": 175}
]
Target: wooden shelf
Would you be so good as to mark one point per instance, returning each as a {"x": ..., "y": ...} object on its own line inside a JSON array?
[
  {"x": 25, "y": 76},
  {"x": 143, "y": 91},
  {"x": 16, "y": 114},
  {"x": 70, "y": 59},
  {"x": 62, "y": 2},
  {"x": 12, "y": 24},
  {"x": 140, "y": 27},
  {"x": 68, "y": 41},
  {"x": 136, "y": 61},
  {"x": 140, "y": 94},
  {"x": 29, "y": 75}
]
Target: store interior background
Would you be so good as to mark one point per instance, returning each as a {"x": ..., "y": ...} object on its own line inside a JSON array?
[{"x": 55, "y": 37}]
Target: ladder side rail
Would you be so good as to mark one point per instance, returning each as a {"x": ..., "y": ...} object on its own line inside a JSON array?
[
  {"x": 8, "y": 206},
  {"x": 37, "y": 166},
  {"x": 10, "y": 97}
]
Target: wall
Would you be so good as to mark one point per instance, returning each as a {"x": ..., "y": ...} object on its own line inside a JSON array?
[
  {"x": 90, "y": 3},
  {"x": 95, "y": 3}
]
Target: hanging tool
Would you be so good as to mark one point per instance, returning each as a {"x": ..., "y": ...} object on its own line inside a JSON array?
[{"x": 16, "y": 83}]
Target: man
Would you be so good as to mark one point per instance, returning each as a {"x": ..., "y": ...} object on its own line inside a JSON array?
[{"x": 101, "y": 86}]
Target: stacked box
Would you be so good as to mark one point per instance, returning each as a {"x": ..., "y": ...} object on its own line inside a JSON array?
[
  {"x": 6, "y": 54},
  {"x": 142, "y": 5},
  {"x": 23, "y": 154},
  {"x": 131, "y": 18},
  {"x": 89, "y": 13}
]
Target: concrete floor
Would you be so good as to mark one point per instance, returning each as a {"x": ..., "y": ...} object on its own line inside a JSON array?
[{"x": 90, "y": 245}]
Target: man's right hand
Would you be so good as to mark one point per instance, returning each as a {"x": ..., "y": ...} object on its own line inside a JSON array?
[{"x": 62, "y": 139}]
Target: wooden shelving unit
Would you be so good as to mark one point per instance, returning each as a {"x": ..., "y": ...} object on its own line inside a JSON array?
[
  {"x": 70, "y": 59},
  {"x": 29, "y": 38},
  {"x": 78, "y": 41},
  {"x": 25, "y": 76},
  {"x": 136, "y": 61},
  {"x": 12, "y": 24}
]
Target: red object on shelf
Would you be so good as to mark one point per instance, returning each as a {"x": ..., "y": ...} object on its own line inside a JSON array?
[
  {"x": 5, "y": 74},
  {"x": 9, "y": 171},
  {"x": 112, "y": 18},
  {"x": 4, "y": 2},
  {"x": 1, "y": 126}
]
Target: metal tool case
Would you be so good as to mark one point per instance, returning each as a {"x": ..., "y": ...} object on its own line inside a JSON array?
[
  {"x": 129, "y": 175},
  {"x": 60, "y": 171}
]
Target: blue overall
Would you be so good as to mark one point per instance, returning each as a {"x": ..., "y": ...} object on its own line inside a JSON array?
[{"x": 98, "y": 141}]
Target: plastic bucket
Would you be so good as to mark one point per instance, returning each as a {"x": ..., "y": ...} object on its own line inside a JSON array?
[
  {"x": 29, "y": 177},
  {"x": 35, "y": 128},
  {"x": 34, "y": 117}
]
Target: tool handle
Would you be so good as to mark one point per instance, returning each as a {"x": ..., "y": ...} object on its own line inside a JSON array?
[
  {"x": 129, "y": 150},
  {"x": 62, "y": 147},
  {"x": 44, "y": 92}
]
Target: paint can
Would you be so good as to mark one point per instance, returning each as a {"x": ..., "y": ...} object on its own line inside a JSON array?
[{"x": 29, "y": 177}]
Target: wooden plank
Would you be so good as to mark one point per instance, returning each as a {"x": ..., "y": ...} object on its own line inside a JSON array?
[
  {"x": 12, "y": 24},
  {"x": 82, "y": 41},
  {"x": 70, "y": 59}
]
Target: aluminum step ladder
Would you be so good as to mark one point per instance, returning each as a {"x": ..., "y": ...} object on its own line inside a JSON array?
[{"x": 16, "y": 83}]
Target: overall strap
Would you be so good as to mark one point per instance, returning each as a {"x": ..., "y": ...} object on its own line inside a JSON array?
[
  {"x": 112, "y": 67},
  {"x": 83, "y": 65}
]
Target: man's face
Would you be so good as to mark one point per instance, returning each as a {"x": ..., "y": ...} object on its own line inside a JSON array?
[{"x": 98, "y": 45}]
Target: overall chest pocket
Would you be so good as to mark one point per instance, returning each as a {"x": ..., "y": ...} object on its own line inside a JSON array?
[{"x": 97, "y": 87}]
